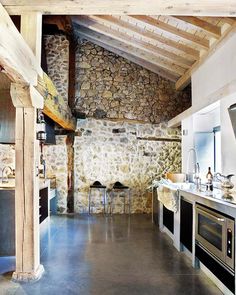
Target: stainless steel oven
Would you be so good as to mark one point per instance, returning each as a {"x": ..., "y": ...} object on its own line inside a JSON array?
[{"x": 215, "y": 232}]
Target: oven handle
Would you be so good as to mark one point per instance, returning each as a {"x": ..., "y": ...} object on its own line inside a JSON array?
[{"x": 219, "y": 219}]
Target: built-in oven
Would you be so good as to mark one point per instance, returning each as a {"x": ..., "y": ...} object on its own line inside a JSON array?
[{"x": 215, "y": 233}]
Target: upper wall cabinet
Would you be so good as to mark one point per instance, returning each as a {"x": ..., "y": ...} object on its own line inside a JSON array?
[{"x": 7, "y": 118}]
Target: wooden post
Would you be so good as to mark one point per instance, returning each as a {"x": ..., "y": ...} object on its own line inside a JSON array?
[
  {"x": 27, "y": 186},
  {"x": 26, "y": 100},
  {"x": 27, "y": 198},
  {"x": 31, "y": 30}
]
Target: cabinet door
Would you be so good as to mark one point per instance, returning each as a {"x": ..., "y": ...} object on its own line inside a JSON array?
[
  {"x": 43, "y": 204},
  {"x": 168, "y": 219},
  {"x": 186, "y": 224},
  {"x": 7, "y": 118}
]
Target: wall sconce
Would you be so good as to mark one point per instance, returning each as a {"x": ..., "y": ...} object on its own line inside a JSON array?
[{"x": 41, "y": 130}]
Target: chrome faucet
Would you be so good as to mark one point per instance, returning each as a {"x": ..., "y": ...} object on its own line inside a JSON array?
[
  {"x": 197, "y": 176},
  {"x": 5, "y": 179},
  {"x": 195, "y": 164}
]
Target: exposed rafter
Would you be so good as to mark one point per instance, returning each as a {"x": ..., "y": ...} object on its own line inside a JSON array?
[
  {"x": 210, "y": 29},
  {"x": 139, "y": 61},
  {"x": 137, "y": 38},
  {"x": 185, "y": 79},
  {"x": 120, "y": 24},
  {"x": 157, "y": 7},
  {"x": 92, "y": 24},
  {"x": 156, "y": 23},
  {"x": 131, "y": 50}
]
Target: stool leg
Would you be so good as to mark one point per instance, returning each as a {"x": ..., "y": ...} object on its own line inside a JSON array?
[
  {"x": 104, "y": 201},
  {"x": 89, "y": 201},
  {"x": 124, "y": 204},
  {"x": 129, "y": 203},
  {"x": 107, "y": 201},
  {"x": 111, "y": 203}
]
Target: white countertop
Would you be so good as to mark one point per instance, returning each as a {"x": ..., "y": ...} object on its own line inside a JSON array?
[{"x": 217, "y": 195}]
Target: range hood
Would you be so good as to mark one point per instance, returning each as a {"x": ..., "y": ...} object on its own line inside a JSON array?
[{"x": 232, "y": 114}]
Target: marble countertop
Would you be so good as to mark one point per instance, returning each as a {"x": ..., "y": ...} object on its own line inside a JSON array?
[{"x": 216, "y": 195}]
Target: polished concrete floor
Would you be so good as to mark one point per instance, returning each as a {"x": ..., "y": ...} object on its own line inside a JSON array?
[{"x": 119, "y": 255}]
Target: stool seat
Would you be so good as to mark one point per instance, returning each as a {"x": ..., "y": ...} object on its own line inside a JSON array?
[
  {"x": 119, "y": 185},
  {"x": 97, "y": 184}
]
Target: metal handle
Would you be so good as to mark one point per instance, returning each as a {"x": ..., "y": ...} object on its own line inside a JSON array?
[{"x": 219, "y": 219}]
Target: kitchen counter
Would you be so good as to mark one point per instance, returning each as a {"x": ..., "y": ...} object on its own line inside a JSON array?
[
  {"x": 10, "y": 185},
  {"x": 216, "y": 196},
  {"x": 184, "y": 221}
]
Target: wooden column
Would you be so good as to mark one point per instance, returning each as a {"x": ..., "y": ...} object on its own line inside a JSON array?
[
  {"x": 26, "y": 100},
  {"x": 28, "y": 267}
]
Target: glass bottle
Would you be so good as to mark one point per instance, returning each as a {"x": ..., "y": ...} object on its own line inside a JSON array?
[{"x": 209, "y": 178}]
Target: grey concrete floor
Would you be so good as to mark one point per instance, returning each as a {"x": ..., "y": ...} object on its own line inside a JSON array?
[{"x": 119, "y": 255}]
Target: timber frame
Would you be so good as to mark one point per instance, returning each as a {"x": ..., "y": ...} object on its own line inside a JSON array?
[
  {"x": 20, "y": 64},
  {"x": 175, "y": 46},
  {"x": 171, "y": 39}
]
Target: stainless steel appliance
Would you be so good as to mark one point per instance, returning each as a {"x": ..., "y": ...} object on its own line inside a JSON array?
[{"x": 215, "y": 234}]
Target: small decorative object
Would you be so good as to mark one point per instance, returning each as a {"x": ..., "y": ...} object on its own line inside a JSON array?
[{"x": 226, "y": 183}]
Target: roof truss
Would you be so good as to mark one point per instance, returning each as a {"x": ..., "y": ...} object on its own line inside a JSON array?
[{"x": 172, "y": 46}]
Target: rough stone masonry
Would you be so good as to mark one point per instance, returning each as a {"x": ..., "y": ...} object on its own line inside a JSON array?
[{"x": 123, "y": 102}]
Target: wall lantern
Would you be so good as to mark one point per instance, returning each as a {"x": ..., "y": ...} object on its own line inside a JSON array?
[{"x": 41, "y": 128}]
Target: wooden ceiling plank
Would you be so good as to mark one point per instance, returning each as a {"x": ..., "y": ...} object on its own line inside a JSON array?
[
  {"x": 157, "y": 7},
  {"x": 210, "y": 29},
  {"x": 100, "y": 28},
  {"x": 130, "y": 49},
  {"x": 119, "y": 23},
  {"x": 139, "y": 61},
  {"x": 186, "y": 78},
  {"x": 203, "y": 43}
]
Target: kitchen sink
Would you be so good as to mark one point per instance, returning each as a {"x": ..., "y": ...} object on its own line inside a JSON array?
[{"x": 184, "y": 185}]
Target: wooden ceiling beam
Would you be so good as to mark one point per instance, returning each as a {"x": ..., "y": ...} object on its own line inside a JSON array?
[
  {"x": 139, "y": 61},
  {"x": 153, "y": 7},
  {"x": 16, "y": 58},
  {"x": 100, "y": 28},
  {"x": 151, "y": 58},
  {"x": 119, "y": 23},
  {"x": 228, "y": 20},
  {"x": 209, "y": 28},
  {"x": 156, "y": 23}
]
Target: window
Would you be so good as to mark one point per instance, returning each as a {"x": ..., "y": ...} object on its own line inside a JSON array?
[
  {"x": 217, "y": 149},
  {"x": 208, "y": 147}
]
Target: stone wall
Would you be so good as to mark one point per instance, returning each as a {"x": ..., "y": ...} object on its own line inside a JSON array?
[
  {"x": 110, "y": 86},
  {"x": 57, "y": 166},
  {"x": 134, "y": 154},
  {"x": 57, "y": 56}
]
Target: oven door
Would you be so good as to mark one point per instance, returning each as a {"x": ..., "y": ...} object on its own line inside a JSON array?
[{"x": 211, "y": 231}]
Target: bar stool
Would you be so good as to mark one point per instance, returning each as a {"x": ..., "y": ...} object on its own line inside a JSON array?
[
  {"x": 118, "y": 187},
  {"x": 99, "y": 186}
]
